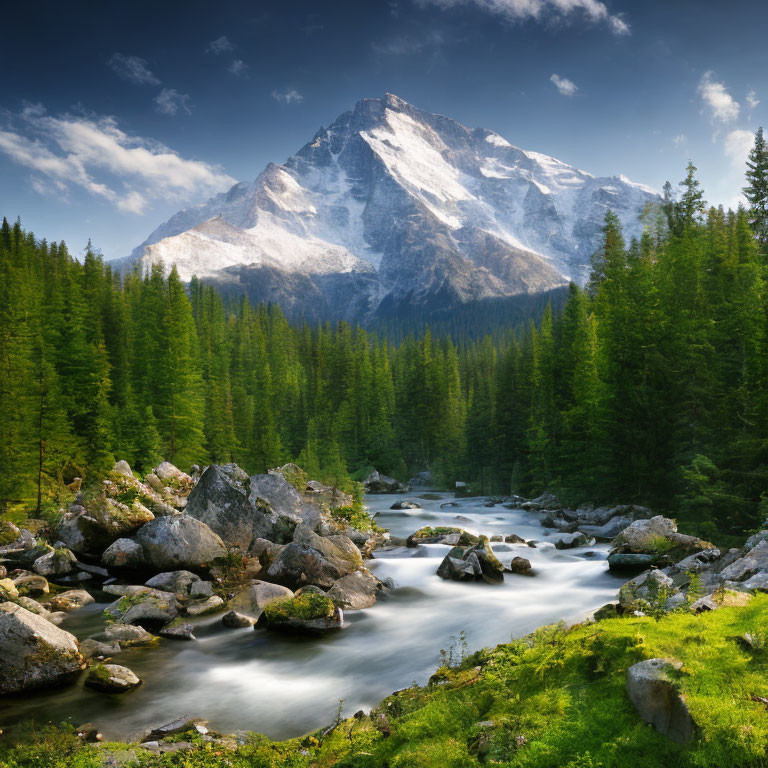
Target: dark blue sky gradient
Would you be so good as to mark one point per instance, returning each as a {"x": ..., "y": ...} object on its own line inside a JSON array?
[{"x": 638, "y": 109}]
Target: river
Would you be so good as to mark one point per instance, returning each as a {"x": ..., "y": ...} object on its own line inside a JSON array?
[{"x": 246, "y": 679}]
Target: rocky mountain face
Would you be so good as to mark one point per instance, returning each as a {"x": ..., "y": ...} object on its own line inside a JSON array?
[{"x": 392, "y": 209}]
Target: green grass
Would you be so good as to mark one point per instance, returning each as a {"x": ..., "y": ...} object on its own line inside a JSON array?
[
  {"x": 308, "y": 605},
  {"x": 556, "y": 698}
]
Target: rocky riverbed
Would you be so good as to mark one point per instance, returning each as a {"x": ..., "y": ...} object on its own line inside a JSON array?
[{"x": 287, "y": 684}]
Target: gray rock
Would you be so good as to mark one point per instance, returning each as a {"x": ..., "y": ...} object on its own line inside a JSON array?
[
  {"x": 111, "y": 678},
  {"x": 178, "y": 582},
  {"x": 405, "y": 504},
  {"x": 204, "y": 605},
  {"x": 632, "y": 562},
  {"x": 201, "y": 589},
  {"x": 759, "y": 582},
  {"x": 251, "y": 601},
  {"x": 122, "y": 467},
  {"x": 144, "y": 605},
  {"x": 519, "y": 565},
  {"x": 513, "y": 538},
  {"x": 30, "y": 583},
  {"x": 313, "y": 559},
  {"x": 171, "y": 475},
  {"x": 753, "y": 562},
  {"x": 123, "y": 553},
  {"x": 657, "y": 536},
  {"x": 57, "y": 563},
  {"x": 92, "y": 648},
  {"x": 355, "y": 591},
  {"x": 572, "y": 540},
  {"x": 71, "y": 600},
  {"x": 378, "y": 483},
  {"x": 458, "y": 569},
  {"x": 35, "y": 653},
  {"x": 172, "y": 543},
  {"x": 657, "y": 699},
  {"x": 608, "y": 530},
  {"x": 178, "y": 629},
  {"x": 128, "y": 634},
  {"x": 235, "y": 620}
]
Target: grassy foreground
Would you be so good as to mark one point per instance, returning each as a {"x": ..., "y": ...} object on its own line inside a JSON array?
[{"x": 556, "y": 698}]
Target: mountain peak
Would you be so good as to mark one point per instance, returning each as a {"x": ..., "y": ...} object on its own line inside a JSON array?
[{"x": 392, "y": 208}]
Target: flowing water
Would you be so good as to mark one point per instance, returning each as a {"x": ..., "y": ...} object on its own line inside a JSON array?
[{"x": 248, "y": 679}]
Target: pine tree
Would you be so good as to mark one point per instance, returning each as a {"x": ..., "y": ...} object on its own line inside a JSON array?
[{"x": 756, "y": 190}]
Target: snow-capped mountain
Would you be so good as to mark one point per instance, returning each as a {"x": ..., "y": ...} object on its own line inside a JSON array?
[{"x": 392, "y": 208}]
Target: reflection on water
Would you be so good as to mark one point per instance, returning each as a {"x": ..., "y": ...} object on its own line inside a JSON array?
[{"x": 249, "y": 679}]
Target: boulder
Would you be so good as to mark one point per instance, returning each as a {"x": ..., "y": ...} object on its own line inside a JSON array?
[
  {"x": 251, "y": 601},
  {"x": 442, "y": 535},
  {"x": 355, "y": 591},
  {"x": 92, "y": 649},
  {"x": 60, "y": 562},
  {"x": 283, "y": 506},
  {"x": 313, "y": 559},
  {"x": 491, "y": 568},
  {"x": 105, "y": 520},
  {"x": 128, "y": 635},
  {"x": 111, "y": 678},
  {"x": 309, "y": 612},
  {"x": 124, "y": 553},
  {"x": 178, "y": 582},
  {"x": 179, "y": 542},
  {"x": 608, "y": 530},
  {"x": 9, "y": 533},
  {"x": 71, "y": 600},
  {"x": 513, "y": 538},
  {"x": 519, "y": 565},
  {"x": 144, "y": 606},
  {"x": 172, "y": 476},
  {"x": 572, "y": 540},
  {"x": 657, "y": 536},
  {"x": 204, "y": 605},
  {"x": 35, "y": 653},
  {"x": 405, "y": 504},
  {"x": 30, "y": 583},
  {"x": 378, "y": 483},
  {"x": 458, "y": 569},
  {"x": 753, "y": 562},
  {"x": 178, "y": 629},
  {"x": 653, "y": 690}
]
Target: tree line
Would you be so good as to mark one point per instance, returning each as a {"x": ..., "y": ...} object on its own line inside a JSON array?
[{"x": 648, "y": 385}]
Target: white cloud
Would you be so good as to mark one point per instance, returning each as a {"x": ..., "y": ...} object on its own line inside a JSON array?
[
  {"x": 238, "y": 67},
  {"x": 752, "y": 100},
  {"x": 132, "y": 68},
  {"x": 564, "y": 85},
  {"x": 680, "y": 139},
  {"x": 721, "y": 105},
  {"x": 543, "y": 10},
  {"x": 290, "y": 96},
  {"x": 169, "y": 101},
  {"x": 737, "y": 145},
  {"x": 220, "y": 45},
  {"x": 94, "y": 154}
]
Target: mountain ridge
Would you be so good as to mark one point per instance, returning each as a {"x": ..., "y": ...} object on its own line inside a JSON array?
[{"x": 404, "y": 209}]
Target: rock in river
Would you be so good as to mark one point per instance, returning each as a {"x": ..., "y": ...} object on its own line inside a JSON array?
[
  {"x": 355, "y": 591},
  {"x": 251, "y": 601},
  {"x": 111, "y": 678},
  {"x": 34, "y": 652},
  {"x": 172, "y": 543},
  {"x": 309, "y": 612}
]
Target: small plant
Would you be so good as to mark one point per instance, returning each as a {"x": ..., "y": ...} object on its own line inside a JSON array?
[
  {"x": 659, "y": 545},
  {"x": 695, "y": 587},
  {"x": 457, "y": 650}
]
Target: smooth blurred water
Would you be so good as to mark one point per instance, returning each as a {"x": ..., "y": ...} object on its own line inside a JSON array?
[{"x": 282, "y": 686}]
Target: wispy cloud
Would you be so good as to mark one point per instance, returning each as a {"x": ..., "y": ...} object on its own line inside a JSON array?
[
  {"x": 543, "y": 10},
  {"x": 721, "y": 106},
  {"x": 564, "y": 85},
  {"x": 220, "y": 45},
  {"x": 737, "y": 145},
  {"x": 752, "y": 100},
  {"x": 94, "y": 154},
  {"x": 680, "y": 140},
  {"x": 288, "y": 96},
  {"x": 410, "y": 44},
  {"x": 133, "y": 69},
  {"x": 169, "y": 101},
  {"x": 238, "y": 67}
]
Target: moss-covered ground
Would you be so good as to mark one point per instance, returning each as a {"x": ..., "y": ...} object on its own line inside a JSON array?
[{"x": 555, "y": 699}]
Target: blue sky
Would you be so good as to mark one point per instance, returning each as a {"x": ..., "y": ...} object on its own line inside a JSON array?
[{"x": 115, "y": 115}]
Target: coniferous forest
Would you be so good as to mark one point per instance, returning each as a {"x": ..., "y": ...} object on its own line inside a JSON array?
[{"x": 649, "y": 385}]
